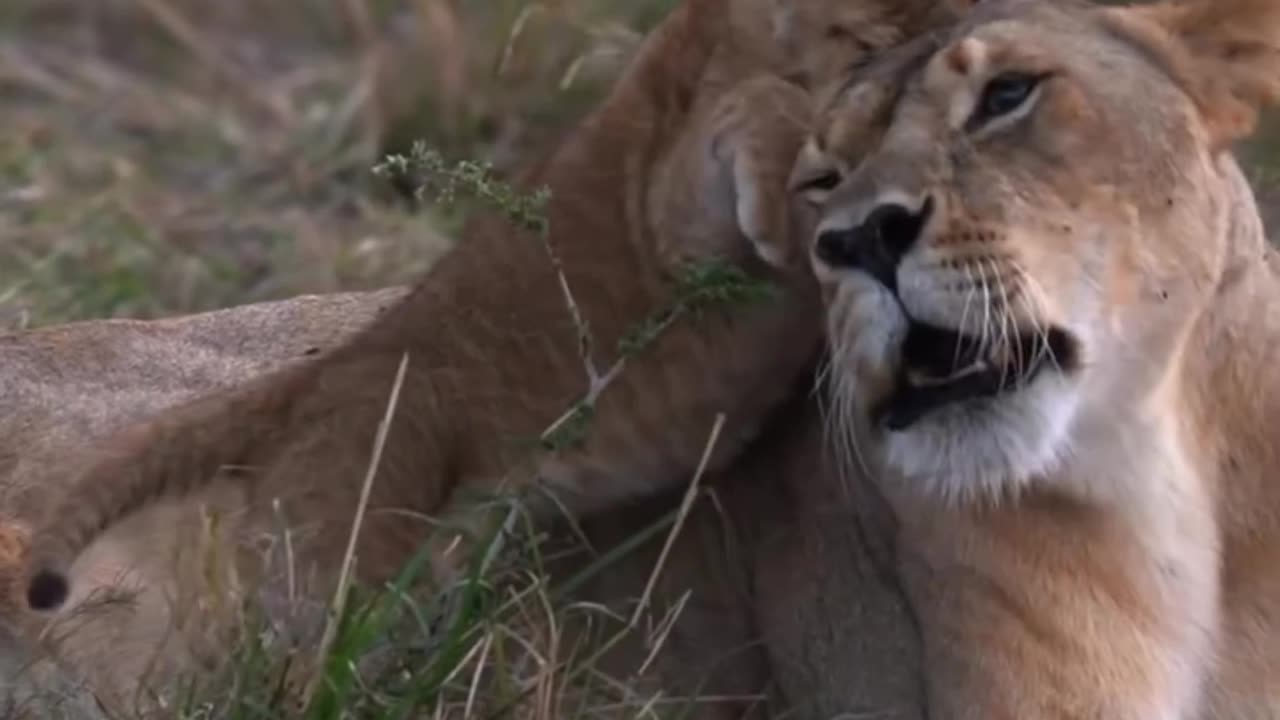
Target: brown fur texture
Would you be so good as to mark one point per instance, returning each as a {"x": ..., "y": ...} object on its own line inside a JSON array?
[
  {"x": 304, "y": 435},
  {"x": 1083, "y": 540},
  {"x": 66, "y": 385},
  {"x": 478, "y": 283},
  {"x": 70, "y": 384},
  {"x": 839, "y": 638},
  {"x": 783, "y": 571},
  {"x": 493, "y": 357}
]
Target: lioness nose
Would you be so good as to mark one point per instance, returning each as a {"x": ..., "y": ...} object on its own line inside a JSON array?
[{"x": 878, "y": 243}]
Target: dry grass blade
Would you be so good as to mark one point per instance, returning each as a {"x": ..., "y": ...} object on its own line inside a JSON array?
[
  {"x": 177, "y": 155},
  {"x": 686, "y": 504},
  {"x": 168, "y": 17},
  {"x": 348, "y": 560}
]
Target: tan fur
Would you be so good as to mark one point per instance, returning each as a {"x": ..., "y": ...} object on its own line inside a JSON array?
[
  {"x": 64, "y": 385},
  {"x": 1089, "y": 543},
  {"x": 68, "y": 384},
  {"x": 493, "y": 356},
  {"x": 308, "y": 429},
  {"x": 782, "y": 571},
  {"x": 303, "y": 435}
]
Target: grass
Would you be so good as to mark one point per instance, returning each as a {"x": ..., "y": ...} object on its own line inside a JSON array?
[
  {"x": 165, "y": 156},
  {"x": 142, "y": 176},
  {"x": 503, "y": 640}
]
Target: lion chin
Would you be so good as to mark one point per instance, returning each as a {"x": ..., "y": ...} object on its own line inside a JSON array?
[{"x": 951, "y": 415}]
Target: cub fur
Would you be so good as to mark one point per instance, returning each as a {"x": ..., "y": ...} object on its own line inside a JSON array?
[
  {"x": 1051, "y": 306},
  {"x": 461, "y": 281},
  {"x": 82, "y": 380},
  {"x": 692, "y": 152},
  {"x": 694, "y": 155},
  {"x": 813, "y": 652},
  {"x": 687, "y": 160}
]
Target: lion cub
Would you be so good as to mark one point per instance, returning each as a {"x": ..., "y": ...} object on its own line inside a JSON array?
[
  {"x": 1052, "y": 311},
  {"x": 648, "y": 183}
]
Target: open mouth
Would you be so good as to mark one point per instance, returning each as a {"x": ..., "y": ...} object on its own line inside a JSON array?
[{"x": 943, "y": 367}]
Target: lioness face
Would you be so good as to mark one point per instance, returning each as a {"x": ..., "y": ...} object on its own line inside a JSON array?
[{"x": 1014, "y": 262}]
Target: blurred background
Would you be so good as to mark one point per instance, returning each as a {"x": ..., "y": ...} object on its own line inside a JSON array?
[{"x": 168, "y": 156}]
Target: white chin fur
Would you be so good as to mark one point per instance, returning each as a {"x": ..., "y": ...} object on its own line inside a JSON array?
[
  {"x": 986, "y": 448},
  {"x": 979, "y": 449}
]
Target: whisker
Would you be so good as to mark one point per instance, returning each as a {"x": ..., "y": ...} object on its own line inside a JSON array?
[
  {"x": 1014, "y": 336},
  {"x": 851, "y": 422},
  {"x": 824, "y": 372},
  {"x": 850, "y": 412},
  {"x": 984, "y": 338},
  {"x": 964, "y": 314},
  {"x": 1036, "y": 311},
  {"x": 837, "y": 433},
  {"x": 1003, "y": 316}
]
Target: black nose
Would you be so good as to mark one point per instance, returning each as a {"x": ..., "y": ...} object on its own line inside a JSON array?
[{"x": 878, "y": 243}]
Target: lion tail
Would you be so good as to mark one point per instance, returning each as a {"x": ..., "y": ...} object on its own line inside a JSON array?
[{"x": 175, "y": 454}]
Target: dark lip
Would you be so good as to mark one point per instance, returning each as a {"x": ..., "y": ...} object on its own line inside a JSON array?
[{"x": 939, "y": 352}]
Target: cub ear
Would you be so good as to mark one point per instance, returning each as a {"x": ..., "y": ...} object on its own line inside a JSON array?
[{"x": 1227, "y": 53}]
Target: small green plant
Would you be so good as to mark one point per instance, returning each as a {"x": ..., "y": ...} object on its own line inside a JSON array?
[
  {"x": 698, "y": 287},
  {"x": 200, "y": 191},
  {"x": 431, "y": 177}
]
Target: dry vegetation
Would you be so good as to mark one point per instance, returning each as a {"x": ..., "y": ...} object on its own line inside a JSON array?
[
  {"x": 166, "y": 156},
  {"x": 163, "y": 156}
]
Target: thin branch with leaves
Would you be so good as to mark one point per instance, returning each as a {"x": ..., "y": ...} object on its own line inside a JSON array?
[{"x": 698, "y": 286}]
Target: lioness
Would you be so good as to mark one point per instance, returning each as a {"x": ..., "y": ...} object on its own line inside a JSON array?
[{"x": 1052, "y": 313}]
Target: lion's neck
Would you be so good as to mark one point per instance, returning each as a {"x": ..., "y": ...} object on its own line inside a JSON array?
[
  {"x": 1232, "y": 384},
  {"x": 1215, "y": 406}
]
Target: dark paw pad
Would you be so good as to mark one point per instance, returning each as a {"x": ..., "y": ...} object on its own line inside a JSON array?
[{"x": 47, "y": 591}]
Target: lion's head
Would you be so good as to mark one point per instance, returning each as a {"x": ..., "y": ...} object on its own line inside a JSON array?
[
  {"x": 819, "y": 41},
  {"x": 1042, "y": 210}
]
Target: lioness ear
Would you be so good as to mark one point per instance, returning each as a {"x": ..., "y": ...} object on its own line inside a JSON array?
[{"x": 1227, "y": 52}]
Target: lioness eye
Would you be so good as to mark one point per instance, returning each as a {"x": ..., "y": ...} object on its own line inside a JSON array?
[{"x": 1006, "y": 93}]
